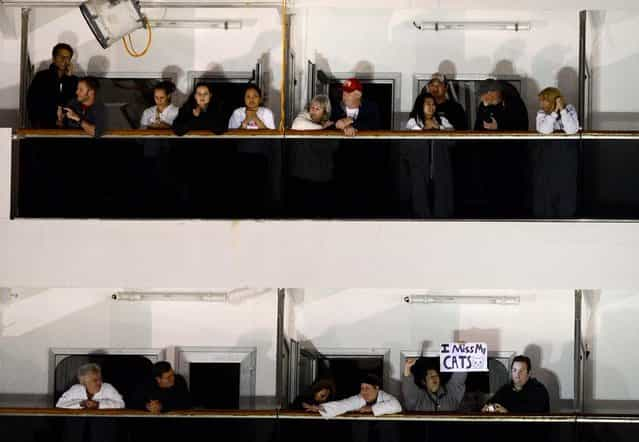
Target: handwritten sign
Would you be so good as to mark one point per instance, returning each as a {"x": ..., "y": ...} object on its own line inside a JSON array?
[{"x": 454, "y": 357}]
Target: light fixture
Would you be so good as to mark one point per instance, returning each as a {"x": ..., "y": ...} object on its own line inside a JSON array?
[
  {"x": 461, "y": 299},
  {"x": 171, "y": 296},
  {"x": 196, "y": 23},
  {"x": 471, "y": 26},
  {"x": 110, "y": 20}
]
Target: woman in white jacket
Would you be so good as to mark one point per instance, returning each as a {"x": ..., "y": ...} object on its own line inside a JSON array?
[
  {"x": 91, "y": 392},
  {"x": 555, "y": 115},
  {"x": 316, "y": 116},
  {"x": 370, "y": 400},
  {"x": 311, "y": 164},
  {"x": 555, "y": 161}
]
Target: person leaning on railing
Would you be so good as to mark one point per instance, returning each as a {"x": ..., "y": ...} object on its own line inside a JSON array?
[
  {"x": 312, "y": 163},
  {"x": 90, "y": 392},
  {"x": 86, "y": 112},
  {"x": 370, "y": 400},
  {"x": 200, "y": 112},
  {"x": 162, "y": 115},
  {"x": 166, "y": 391},
  {"x": 354, "y": 113},
  {"x": 555, "y": 161},
  {"x": 423, "y": 390},
  {"x": 316, "y": 116},
  {"x": 523, "y": 394},
  {"x": 52, "y": 87},
  {"x": 320, "y": 392},
  {"x": 252, "y": 115}
]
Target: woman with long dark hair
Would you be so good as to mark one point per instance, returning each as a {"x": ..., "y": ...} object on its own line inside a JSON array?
[
  {"x": 424, "y": 115},
  {"x": 200, "y": 112}
]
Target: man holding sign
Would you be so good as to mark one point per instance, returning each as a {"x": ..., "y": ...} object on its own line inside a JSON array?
[
  {"x": 423, "y": 390},
  {"x": 523, "y": 395}
]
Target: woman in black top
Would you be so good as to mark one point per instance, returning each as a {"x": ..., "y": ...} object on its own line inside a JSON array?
[{"x": 200, "y": 112}]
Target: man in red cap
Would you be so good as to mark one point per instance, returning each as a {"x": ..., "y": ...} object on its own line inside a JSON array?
[{"x": 353, "y": 113}]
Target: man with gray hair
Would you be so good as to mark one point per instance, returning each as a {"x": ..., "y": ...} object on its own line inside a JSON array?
[{"x": 91, "y": 392}]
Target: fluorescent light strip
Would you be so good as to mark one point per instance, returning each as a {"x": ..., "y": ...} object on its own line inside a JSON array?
[
  {"x": 171, "y": 296},
  {"x": 196, "y": 23},
  {"x": 471, "y": 26},
  {"x": 461, "y": 299}
]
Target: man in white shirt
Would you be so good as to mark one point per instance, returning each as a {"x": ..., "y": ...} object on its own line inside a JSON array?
[
  {"x": 90, "y": 394},
  {"x": 370, "y": 400}
]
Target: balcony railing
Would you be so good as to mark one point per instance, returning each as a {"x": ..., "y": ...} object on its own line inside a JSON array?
[{"x": 153, "y": 174}]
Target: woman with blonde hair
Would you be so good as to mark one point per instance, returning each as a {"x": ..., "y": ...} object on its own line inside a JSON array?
[
  {"x": 316, "y": 116},
  {"x": 311, "y": 164},
  {"x": 555, "y": 161},
  {"x": 555, "y": 115}
]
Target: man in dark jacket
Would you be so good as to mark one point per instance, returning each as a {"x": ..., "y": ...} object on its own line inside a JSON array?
[
  {"x": 447, "y": 107},
  {"x": 523, "y": 395},
  {"x": 501, "y": 107},
  {"x": 353, "y": 113},
  {"x": 502, "y": 165},
  {"x": 52, "y": 88},
  {"x": 86, "y": 112},
  {"x": 165, "y": 392}
]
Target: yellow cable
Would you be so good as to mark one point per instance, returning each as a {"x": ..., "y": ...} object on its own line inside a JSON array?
[{"x": 131, "y": 51}]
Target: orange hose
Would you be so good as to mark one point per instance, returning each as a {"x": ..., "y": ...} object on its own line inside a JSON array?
[{"x": 131, "y": 51}]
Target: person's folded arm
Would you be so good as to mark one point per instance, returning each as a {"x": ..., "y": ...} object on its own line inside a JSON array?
[
  {"x": 546, "y": 122},
  {"x": 389, "y": 405},
  {"x": 72, "y": 398},
  {"x": 336, "y": 408},
  {"x": 570, "y": 120}
]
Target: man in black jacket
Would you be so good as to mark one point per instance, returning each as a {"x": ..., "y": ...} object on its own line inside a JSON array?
[
  {"x": 353, "y": 113},
  {"x": 523, "y": 395},
  {"x": 51, "y": 89},
  {"x": 501, "y": 107},
  {"x": 165, "y": 392},
  {"x": 447, "y": 107},
  {"x": 502, "y": 165}
]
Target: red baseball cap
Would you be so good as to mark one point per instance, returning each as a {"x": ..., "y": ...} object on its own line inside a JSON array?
[{"x": 352, "y": 84}]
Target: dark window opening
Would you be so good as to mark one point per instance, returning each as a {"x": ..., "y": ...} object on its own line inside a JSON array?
[
  {"x": 380, "y": 93},
  {"x": 347, "y": 372},
  {"x": 215, "y": 385}
]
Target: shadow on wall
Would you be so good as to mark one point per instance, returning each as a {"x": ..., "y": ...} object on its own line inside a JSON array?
[
  {"x": 8, "y": 29},
  {"x": 545, "y": 376},
  {"x": 175, "y": 72},
  {"x": 601, "y": 374},
  {"x": 530, "y": 88},
  {"x": 265, "y": 368}
]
